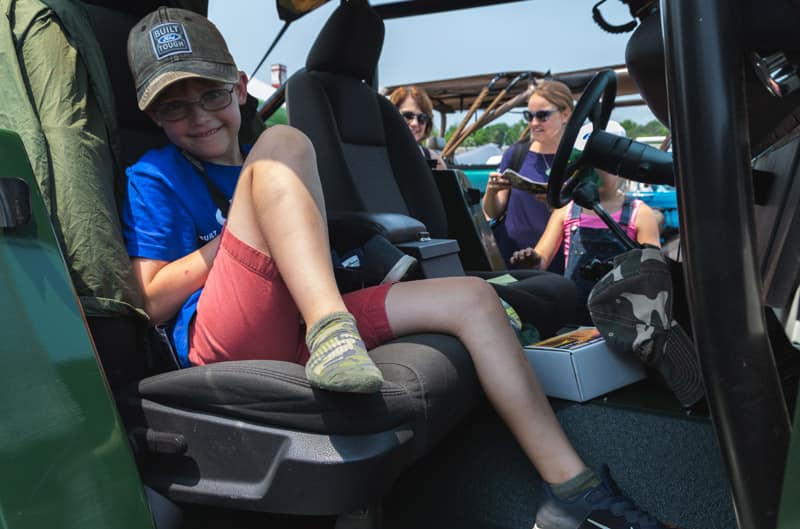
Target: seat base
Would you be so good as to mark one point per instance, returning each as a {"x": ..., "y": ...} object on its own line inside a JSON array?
[
  {"x": 231, "y": 463},
  {"x": 254, "y": 435}
]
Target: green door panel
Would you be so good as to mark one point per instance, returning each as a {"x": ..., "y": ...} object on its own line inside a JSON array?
[
  {"x": 63, "y": 451},
  {"x": 789, "y": 515}
]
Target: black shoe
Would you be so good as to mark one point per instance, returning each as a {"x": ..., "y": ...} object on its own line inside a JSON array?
[{"x": 602, "y": 507}]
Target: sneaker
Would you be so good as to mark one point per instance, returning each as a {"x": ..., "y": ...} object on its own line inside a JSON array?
[{"x": 602, "y": 507}]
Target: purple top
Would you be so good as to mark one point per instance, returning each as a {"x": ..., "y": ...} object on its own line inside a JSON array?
[{"x": 526, "y": 217}]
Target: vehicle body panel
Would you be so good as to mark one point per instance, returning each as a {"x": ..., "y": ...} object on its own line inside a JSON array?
[{"x": 64, "y": 453}]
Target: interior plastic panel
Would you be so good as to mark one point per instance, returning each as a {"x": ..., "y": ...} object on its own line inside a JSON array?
[
  {"x": 778, "y": 225},
  {"x": 232, "y": 463}
]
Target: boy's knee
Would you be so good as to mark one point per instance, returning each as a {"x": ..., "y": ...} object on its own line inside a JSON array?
[
  {"x": 478, "y": 292},
  {"x": 283, "y": 141}
]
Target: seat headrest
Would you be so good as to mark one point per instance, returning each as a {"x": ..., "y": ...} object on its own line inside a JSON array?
[
  {"x": 111, "y": 27},
  {"x": 350, "y": 43}
]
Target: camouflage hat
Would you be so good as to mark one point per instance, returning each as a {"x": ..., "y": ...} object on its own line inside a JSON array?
[
  {"x": 171, "y": 44},
  {"x": 632, "y": 308}
]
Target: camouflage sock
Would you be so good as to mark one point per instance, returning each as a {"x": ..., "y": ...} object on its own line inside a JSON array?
[
  {"x": 513, "y": 317},
  {"x": 339, "y": 360}
]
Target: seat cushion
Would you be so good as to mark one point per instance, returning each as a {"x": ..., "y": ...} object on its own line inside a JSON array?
[{"x": 429, "y": 384}]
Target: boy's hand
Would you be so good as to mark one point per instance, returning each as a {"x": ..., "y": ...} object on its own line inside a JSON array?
[{"x": 526, "y": 257}]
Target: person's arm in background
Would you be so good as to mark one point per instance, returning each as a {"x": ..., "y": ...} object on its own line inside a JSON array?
[
  {"x": 542, "y": 255},
  {"x": 495, "y": 198},
  {"x": 439, "y": 160},
  {"x": 647, "y": 226}
]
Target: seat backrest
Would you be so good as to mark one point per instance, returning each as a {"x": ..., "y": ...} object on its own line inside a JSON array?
[
  {"x": 368, "y": 159},
  {"x": 128, "y": 355},
  {"x": 137, "y": 133}
]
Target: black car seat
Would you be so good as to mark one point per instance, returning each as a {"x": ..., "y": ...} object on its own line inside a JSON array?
[
  {"x": 368, "y": 159},
  {"x": 254, "y": 435}
]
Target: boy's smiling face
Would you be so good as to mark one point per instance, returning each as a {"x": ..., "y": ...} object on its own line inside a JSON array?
[{"x": 209, "y": 135}]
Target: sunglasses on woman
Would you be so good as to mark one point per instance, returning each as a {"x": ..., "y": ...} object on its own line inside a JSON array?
[
  {"x": 422, "y": 117},
  {"x": 541, "y": 115},
  {"x": 211, "y": 100}
]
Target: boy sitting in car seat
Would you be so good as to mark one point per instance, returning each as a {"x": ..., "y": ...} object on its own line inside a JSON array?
[{"x": 257, "y": 282}]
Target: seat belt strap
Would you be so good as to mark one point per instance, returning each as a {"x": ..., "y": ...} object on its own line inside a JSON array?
[
  {"x": 518, "y": 154},
  {"x": 219, "y": 198},
  {"x": 627, "y": 210}
]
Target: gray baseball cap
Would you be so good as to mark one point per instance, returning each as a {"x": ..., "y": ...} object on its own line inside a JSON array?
[
  {"x": 171, "y": 44},
  {"x": 632, "y": 308}
]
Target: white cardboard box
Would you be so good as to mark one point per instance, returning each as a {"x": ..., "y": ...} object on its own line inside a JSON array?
[{"x": 579, "y": 366}]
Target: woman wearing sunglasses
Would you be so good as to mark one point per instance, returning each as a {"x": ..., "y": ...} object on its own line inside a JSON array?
[
  {"x": 521, "y": 217},
  {"x": 416, "y": 108}
]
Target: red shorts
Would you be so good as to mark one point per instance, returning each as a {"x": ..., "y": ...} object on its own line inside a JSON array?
[{"x": 247, "y": 313}]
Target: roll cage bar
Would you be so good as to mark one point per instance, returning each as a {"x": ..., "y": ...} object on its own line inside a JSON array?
[
  {"x": 410, "y": 8},
  {"x": 744, "y": 393}
]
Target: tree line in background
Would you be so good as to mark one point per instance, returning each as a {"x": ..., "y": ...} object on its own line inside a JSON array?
[
  {"x": 504, "y": 134},
  {"x": 277, "y": 118}
]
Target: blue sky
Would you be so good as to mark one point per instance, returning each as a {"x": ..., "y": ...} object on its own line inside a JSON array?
[{"x": 559, "y": 35}]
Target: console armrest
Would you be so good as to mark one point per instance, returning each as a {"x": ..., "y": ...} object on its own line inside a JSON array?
[{"x": 354, "y": 228}]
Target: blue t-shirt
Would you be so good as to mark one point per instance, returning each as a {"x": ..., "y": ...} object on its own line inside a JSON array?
[
  {"x": 168, "y": 213},
  {"x": 526, "y": 217}
]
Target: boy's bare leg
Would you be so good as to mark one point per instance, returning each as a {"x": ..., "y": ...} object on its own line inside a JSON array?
[
  {"x": 469, "y": 309},
  {"x": 278, "y": 208}
]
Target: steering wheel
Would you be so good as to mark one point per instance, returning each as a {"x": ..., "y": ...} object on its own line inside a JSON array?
[{"x": 564, "y": 172}]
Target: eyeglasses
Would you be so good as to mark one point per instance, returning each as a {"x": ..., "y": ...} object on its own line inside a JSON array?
[
  {"x": 422, "y": 117},
  {"x": 212, "y": 100},
  {"x": 541, "y": 115}
]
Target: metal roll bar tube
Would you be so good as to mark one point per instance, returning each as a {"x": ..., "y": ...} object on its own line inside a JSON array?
[{"x": 705, "y": 80}]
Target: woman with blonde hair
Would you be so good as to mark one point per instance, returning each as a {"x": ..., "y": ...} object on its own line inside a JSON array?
[{"x": 520, "y": 217}]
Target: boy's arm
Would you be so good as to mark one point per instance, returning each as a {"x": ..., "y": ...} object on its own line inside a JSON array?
[
  {"x": 167, "y": 285},
  {"x": 647, "y": 226}
]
